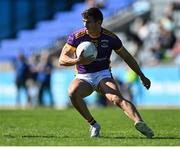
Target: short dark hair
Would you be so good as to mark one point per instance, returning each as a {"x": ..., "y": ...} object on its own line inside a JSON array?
[{"x": 93, "y": 12}]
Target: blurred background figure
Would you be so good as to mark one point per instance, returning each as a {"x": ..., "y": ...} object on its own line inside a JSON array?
[
  {"x": 137, "y": 33},
  {"x": 176, "y": 52},
  {"x": 32, "y": 82},
  {"x": 123, "y": 88},
  {"x": 44, "y": 70},
  {"x": 130, "y": 81},
  {"x": 165, "y": 41},
  {"x": 22, "y": 75}
]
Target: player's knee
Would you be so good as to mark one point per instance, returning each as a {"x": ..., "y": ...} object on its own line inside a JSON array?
[
  {"x": 73, "y": 94},
  {"x": 115, "y": 99}
]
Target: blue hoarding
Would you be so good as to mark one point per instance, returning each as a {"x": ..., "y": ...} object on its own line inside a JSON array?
[{"x": 164, "y": 91}]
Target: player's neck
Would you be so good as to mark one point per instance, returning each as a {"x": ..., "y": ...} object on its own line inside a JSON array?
[{"x": 94, "y": 34}]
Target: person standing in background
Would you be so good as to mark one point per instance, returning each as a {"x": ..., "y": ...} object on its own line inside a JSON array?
[
  {"x": 131, "y": 79},
  {"x": 22, "y": 75},
  {"x": 44, "y": 69}
]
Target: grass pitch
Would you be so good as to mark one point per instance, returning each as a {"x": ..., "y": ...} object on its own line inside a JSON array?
[{"x": 66, "y": 127}]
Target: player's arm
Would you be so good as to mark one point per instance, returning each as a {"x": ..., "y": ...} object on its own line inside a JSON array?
[
  {"x": 67, "y": 56},
  {"x": 129, "y": 59}
]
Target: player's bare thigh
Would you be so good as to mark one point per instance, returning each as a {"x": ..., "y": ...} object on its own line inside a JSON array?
[
  {"x": 79, "y": 88},
  {"x": 109, "y": 88}
]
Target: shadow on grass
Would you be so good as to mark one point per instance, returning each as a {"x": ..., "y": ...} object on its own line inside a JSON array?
[
  {"x": 159, "y": 137},
  {"x": 102, "y": 137},
  {"x": 32, "y": 136},
  {"x": 170, "y": 137},
  {"x": 39, "y": 136}
]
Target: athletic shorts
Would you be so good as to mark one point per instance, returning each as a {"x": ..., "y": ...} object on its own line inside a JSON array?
[{"x": 94, "y": 78}]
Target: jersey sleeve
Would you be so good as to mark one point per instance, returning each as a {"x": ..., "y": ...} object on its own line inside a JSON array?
[
  {"x": 117, "y": 43},
  {"x": 71, "y": 40}
]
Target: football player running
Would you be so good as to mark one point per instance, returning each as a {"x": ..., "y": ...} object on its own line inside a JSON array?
[{"x": 97, "y": 75}]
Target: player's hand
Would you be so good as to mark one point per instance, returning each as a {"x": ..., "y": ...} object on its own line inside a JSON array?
[
  {"x": 85, "y": 61},
  {"x": 145, "y": 81}
]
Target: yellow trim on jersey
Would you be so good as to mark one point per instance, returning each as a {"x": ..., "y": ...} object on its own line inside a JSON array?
[
  {"x": 80, "y": 34},
  {"x": 119, "y": 49},
  {"x": 109, "y": 33},
  {"x": 70, "y": 47}
]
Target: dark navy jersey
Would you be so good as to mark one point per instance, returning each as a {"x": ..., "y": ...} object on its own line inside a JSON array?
[{"x": 105, "y": 43}]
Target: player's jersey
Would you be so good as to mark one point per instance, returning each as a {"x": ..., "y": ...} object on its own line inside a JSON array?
[{"x": 107, "y": 42}]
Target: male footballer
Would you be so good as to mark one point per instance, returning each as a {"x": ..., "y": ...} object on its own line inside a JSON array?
[{"x": 96, "y": 75}]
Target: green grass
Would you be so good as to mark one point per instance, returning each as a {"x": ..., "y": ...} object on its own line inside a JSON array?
[{"x": 67, "y": 127}]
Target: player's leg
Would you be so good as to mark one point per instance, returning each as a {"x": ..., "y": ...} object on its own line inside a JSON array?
[
  {"x": 109, "y": 88},
  {"x": 77, "y": 91}
]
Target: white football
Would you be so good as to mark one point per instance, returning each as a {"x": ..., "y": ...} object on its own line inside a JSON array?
[{"x": 87, "y": 49}]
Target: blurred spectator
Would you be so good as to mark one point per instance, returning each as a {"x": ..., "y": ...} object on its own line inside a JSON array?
[
  {"x": 161, "y": 37},
  {"x": 137, "y": 33},
  {"x": 176, "y": 5},
  {"x": 32, "y": 83},
  {"x": 170, "y": 9},
  {"x": 44, "y": 69},
  {"x": 176, "y": 52},
  {"x": 131, "y": 79},
  {"x": 123, "y": 88},
  {"x": 33, "y": 62},
  {"x": 140, "y": 28},
  {"x": 165, "y": 41},
  {"x": 22, "y": 75}
]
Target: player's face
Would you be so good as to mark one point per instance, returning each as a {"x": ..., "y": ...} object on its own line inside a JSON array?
[{"x": 90, "y": 24}]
